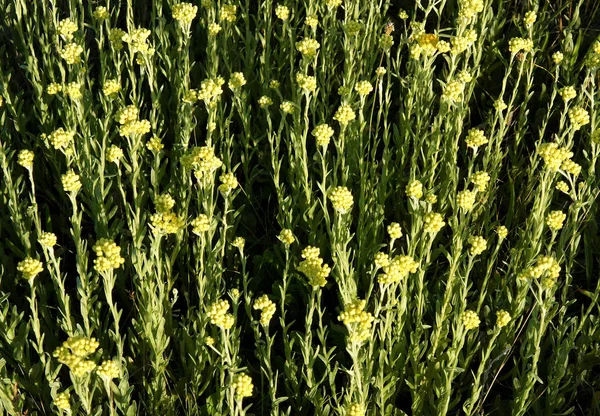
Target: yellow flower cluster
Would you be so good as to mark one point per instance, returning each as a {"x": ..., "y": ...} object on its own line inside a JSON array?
[
  {"x": 500, "y": 105},
  {"x": 545, "y": 267},
  {"x": 465, "y": 76},
  {"x": 308, "y": 47},
  {"x": 237, "y": 80},
  {"x": 164, "y": 203},
  {"x": 30, "y": 268},
  {"x": 184, "y": 13},
  {"x": 282, "y": 12},
  {"x": 357, "y": 320},
  {"x": 380, "y": 71},
  {"x": 502, "y": 318},
  {"x": 53, "y": 88},
  {"x": 73, "y": 90},
  {"x": 239, "y": 242},
  {"x": 66, "y": 28},
  {"x": 478, "y": 245},
  {"x": 502, "y": 231},
  {"x": 555, "y": 220},
  {"x": 579, "y": 117},
  {"x": 307, "y": 82},
  {"x": 265, "y": 101},
  {"x": 462, "y": 43},
  {"x": 516, "y": 45},
  {"x": 218, "y": 315},
  {"x": 341, "y": 199},
  {"x": 73, "y": 354},
  {"x": 431, "y": 198},
  {"x": 553, "y": 155},
  {"x": 426, "y": 45},
  {"x": 355, "y": 409},
  {"x": 154, "y": 144},
  {"x": 214, "y": 29},
  {"x": 414, "y": 189},
  {"x": 243, "y": 386},
  {"x": 210, "y": 89},
  {"x": 63, "y": 401},
  {"x": 108, "y": 255},
  {"x": 286, "y": 236},
  {"x": 137, "y": 40},
  {"x": 562, "y": 186},
  {"x": 571, "y": 167},
  {"x": 470, "y": 319},
  {"x": 466, "y": 199},
  {"x": 228, "y": 182},
  {"x": 481, "y": 180},
  {"x": 557, "y": 57},
  {"x": 228, "y": 13},
  {"x": 593, "y": 58},
  {"x": 111, "y": 87},
  {"x": 116, "y": 38},
  {"x": 453, "y": 91},
  {"x": 287, "y": 107},
  {"x": 202, "y": 160},
  {"x": 381, "y": 260},
  {"x": 108, "y": 369},
  {"x": 25, "y": 158},
  {"x": 476, "y": 138},
  {"x": 322, "y": 134},
  {"x": 363, "y": 87},
  {"x": 386, "y": 41},
  {"x": 332, "y": 4},
  {"x": 313, "y": 267},
  {"x": 312, "y": 21},
  {"x": 200, "y": 224},
  {"x": 71, "y": 182},
  {"x": 567, "y": 93},
  {"x": 397, "y": 269},
  {"x": 529, "y": 18},
  {"x": 114, "y": 154},
  {"x": 101, "y": 13},
  {"x": 71, "y": 53},
  {"x": 469, "y": 8},
  {"x": 433, "y": 222},
  {"x": 267, "y": 308},
  {"x": 344, "y": 114},
  {"x": 394, "y": 230},
  {"x": 130, "y": 125},
  {"x": 166, "y": 222},
  {"x": 47, "y": 239}
]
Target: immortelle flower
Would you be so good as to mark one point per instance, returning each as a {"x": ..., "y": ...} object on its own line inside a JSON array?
[
  {"x": 108, "y": 255},
  {"x": 502, "y": 231},
  {"x": 166, "y": 223},
  {"x": 357, "y": 321},
  {"x": 228, "y": 182},
  {"x": 25, "y": 158},
  {"x": 286, "y": 236},
  {"x": 218, "y": 315},
  {"x": 101, "y": 13},
  {"x": 398, "y": 268},
  {"x": 475, "y": 138},
  {"x": 500, "y": 105},
  {"x": 66, "y": 28},
  {"x": 414, "y": 189},
  {"x": 214, "y": 29},
  {"x": 322, "y": 134},
  {"x": 557, "y": 57},
  {"x": 394, "y": 230},
  {"x": 381, "y": 260},
  {"x": 111, "y": 87},
  {"x": 478, "y": 245},
  {"x": 481, "y": 180},
  {"x": 30, "y": 268},
  {"x": 202, "y": 160},
  {"x": 287, "y": 107},
  {"x": 71, "y": 182},
  {"x": 516, "y": 45},
  {"x": 155, "y": 144},
  {"x": 470, "y": 319},
  {"x": 184, "y": 13},
  {"x": 71, "y": 53},
  {"x": 265, "y": 101},
  {"x": 554, "y": 155},
  {"x": 307, "y": 82},
  {"x": 200, "y": 224},
  {"x": 73, "y": 90},
  {"x": 59, "y": 138},
  {"x": 267, "y": 308},
  {"x": 341, "y": 199},
  {"x": 243, "y": 386},
  {"x": 562, "y": 186},
  {"x": 63, "y": 401},
  {"x": 363, "y": 87},
  {"x": 228, "y": 13},
  {"x": 453, "y": 91},
  {"x": 282, "y": 12},
  {"x": 53, "y": 88},
  {"x": 529, "y": 18},
  {"x": 73, "y": 354},
  {"x": 312, "y": 21},
  {"x": 502, "y": 318},
  {"x": 313, "y": 267},
  {"x": 555, "y": 220},
  {"x": 546, "y": 268},
  {"x": 108, "y": 369},
  {"x": 466, "y": 199},
  {"x": 579, "y": 117},
  {"x": 114, "y": 154},
  {"x": 239, "y": 242},
  {"x": 237, "y": 81},
  {"x": 308, "y": 47},
  {"x": 571, "y": 167},
  {"x": 344, "y": 114},
  {"x": 355, "y": 409},
  {"x": 567, "y": 93},
  {"x": 47, "y": 239},
  {"x": 433, "y": 222},
  {"x": 469, "y": 8}
]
